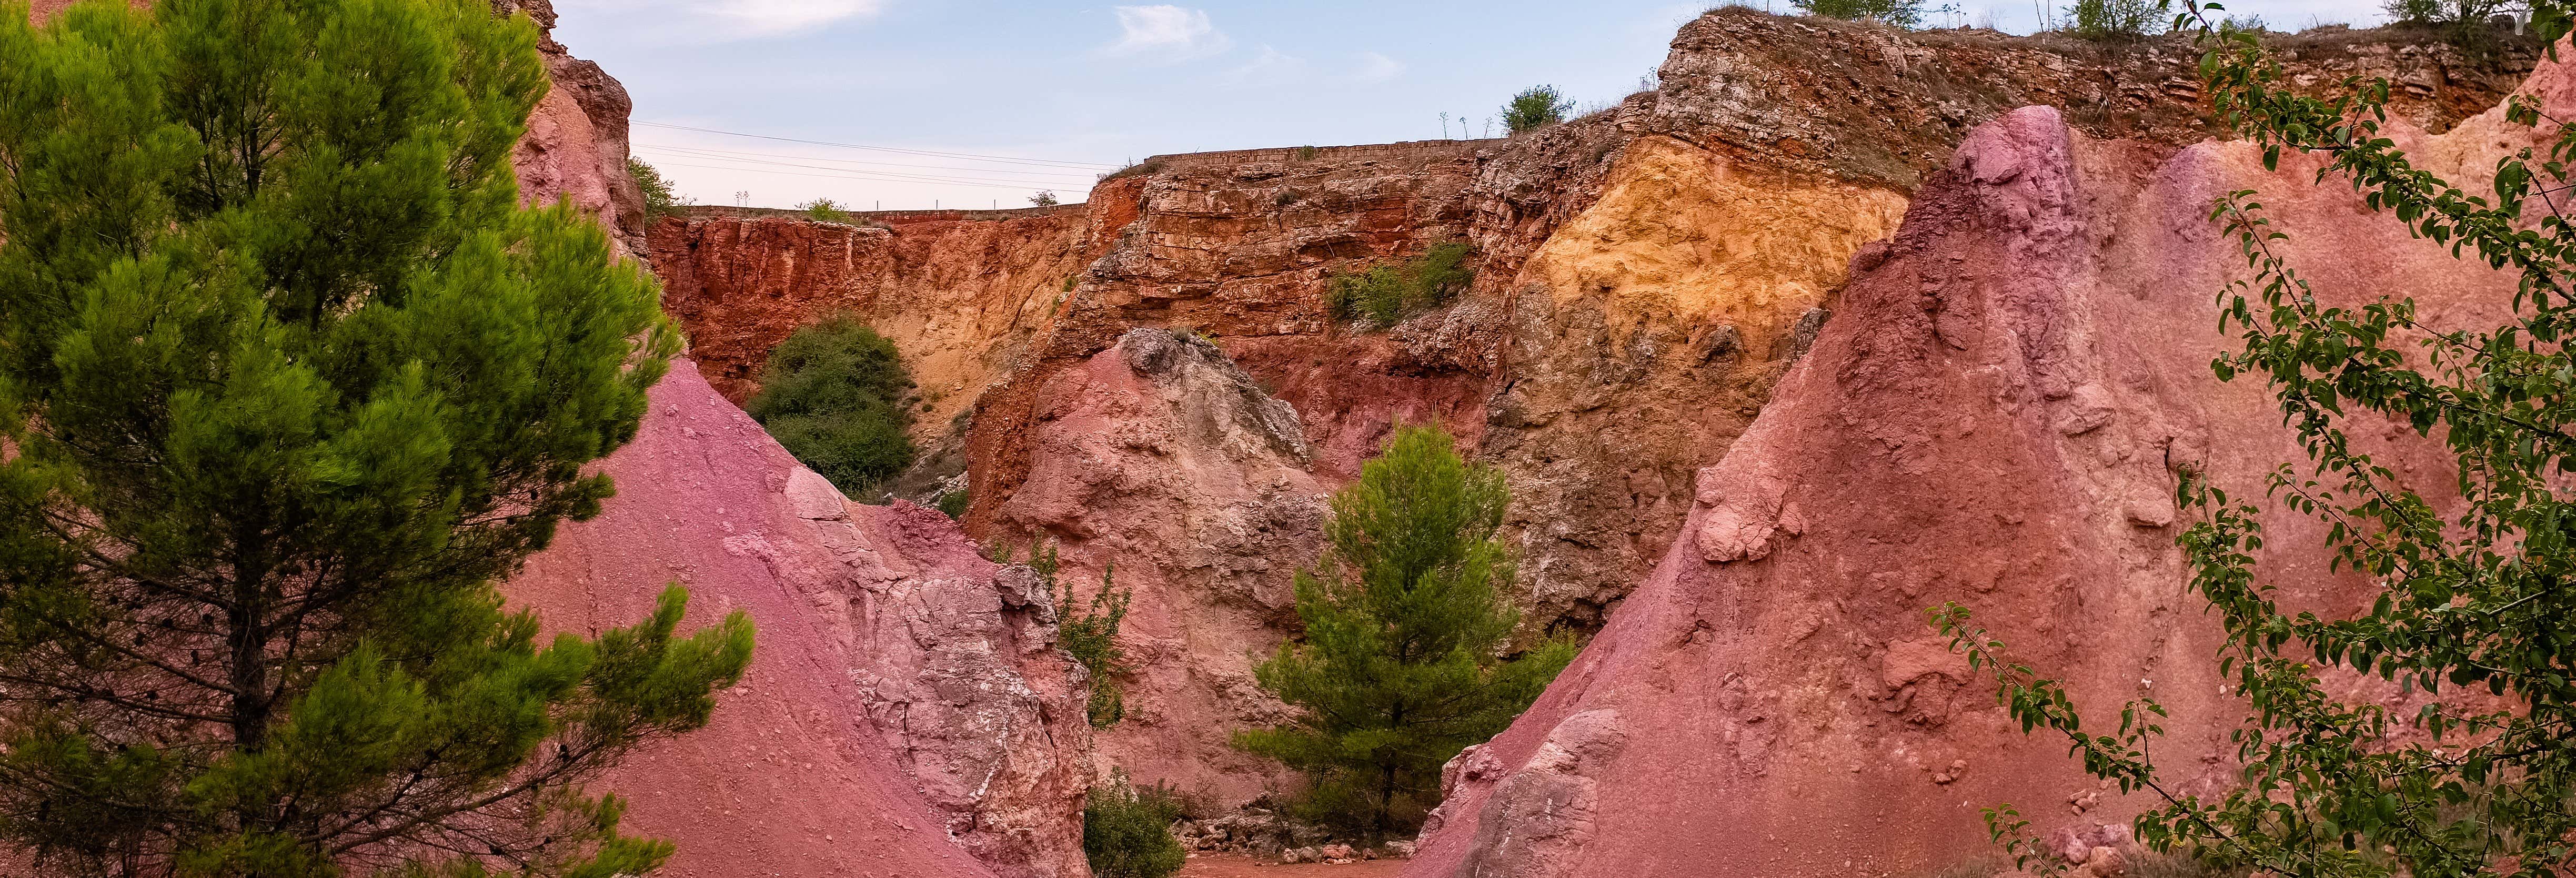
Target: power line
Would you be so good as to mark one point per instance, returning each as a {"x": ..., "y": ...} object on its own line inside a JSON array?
[
  {"x": 731, "y": 155},
  {"x": 1023, "y": 187},
  {"x": 927, "y": 152},
  {"x": 895, "y": 176}
]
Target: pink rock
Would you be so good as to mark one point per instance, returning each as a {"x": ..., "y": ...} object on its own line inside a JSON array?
[
  {"x": 1980, "y": 422},
  {"x": 899, "y": 719}
]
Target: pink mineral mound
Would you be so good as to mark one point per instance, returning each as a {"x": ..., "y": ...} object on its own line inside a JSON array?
[
  {"x": 1996, "y": 416},
  {"x": 790, "y": 778}
]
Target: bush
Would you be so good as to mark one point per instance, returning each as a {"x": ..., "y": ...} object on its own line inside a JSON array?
[
  {"x": 1386, "y": 294},
  {"x": 2115, "y": 20},
  {"x": 833, "y": 395},
  {"x": 659, "y": 202},
  {"x": 1901, "y": 13},
  {"x": 824, "y": 210},
  {"x": 1089, "y": 633},
  {"x": 1535, "y": 107},
  {"x": 1043, "y": 198},
  {"x": 954, "y": 503},
  {"x": 1127, "y": 830}
]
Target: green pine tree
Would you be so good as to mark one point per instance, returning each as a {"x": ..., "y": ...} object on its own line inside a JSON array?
[
  {"x": 287, "y": 382},
  {"x": 1405, "y": 620}
]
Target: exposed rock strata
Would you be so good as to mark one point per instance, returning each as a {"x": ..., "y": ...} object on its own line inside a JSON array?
[
  {"x": 1996, "y": 417},
  {"x": 1162, "y": 458},
  {"x": 1647, "y": 274},
  {"x": 904, "y": 707}
]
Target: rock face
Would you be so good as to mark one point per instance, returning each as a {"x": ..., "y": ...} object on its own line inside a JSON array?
[
  {"x": 1995, "y": 416},
  {"x": 1159, "y": 448},
  {"x": 904, "y": 708},
  {"x": 1646, "y": 275},
  {"x": 576, "y": 147}
]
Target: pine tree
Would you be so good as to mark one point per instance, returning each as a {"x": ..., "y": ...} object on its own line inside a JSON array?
[
  {"x": 287, "y": 382},
  {"x": 1405, "y": 618}
]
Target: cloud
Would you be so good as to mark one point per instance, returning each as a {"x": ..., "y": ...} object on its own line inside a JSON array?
[
  {"x": 772, "y": 17},
  {"x": 1166, "y": 34},
  {"x": 1375, "y": 68},
  {"x": 717, "y": 21},
  {"x": 1269, "y": 67}
]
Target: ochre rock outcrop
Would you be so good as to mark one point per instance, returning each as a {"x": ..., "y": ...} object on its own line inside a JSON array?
[
  {"x": 1995, "y": 416},
  {"x": 888, "y": 651}
]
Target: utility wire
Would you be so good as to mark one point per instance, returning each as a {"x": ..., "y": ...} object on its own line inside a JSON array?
[
  {"x": 927, "y": 152},
  {"x": 766, "y": 158},
  {"x": 1023, "y": 187},
  {"x": 739, "y": 164}
]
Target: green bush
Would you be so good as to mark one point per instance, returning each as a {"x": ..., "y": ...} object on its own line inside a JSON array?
[
  {"x": 833, "y": 395},
  {"x": 659, "y": 201},
  {"x": 1901, "y": 13},
  {"x": 1088, "y": 631},
  {"x": 824, "y": 210},
  {"x": 1382, "y": 296},
  {"x": 954, "y": 503},
  {"x": 1537, "y": 106},
  {"x": 2115, "y": 20},
  {"x": 1127, "y": 830}
]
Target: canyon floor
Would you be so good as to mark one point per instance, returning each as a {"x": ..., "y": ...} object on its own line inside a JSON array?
[{"x": 1240, "y": 866}]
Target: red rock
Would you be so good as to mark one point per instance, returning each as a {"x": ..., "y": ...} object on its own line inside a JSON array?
[
  {"x": 1993, "y": 416},
  {"x": 863, "y": 612}
]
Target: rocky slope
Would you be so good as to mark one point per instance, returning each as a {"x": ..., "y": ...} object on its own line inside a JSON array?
[
  {"x": 905, "y": 706},
  {"x": 1647, "y": 273},
  {"x": 1996, "y": 417}
]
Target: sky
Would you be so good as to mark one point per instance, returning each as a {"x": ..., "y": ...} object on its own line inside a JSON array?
[{"x": 905, "y": 104}]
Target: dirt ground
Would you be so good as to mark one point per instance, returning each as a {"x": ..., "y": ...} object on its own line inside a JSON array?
[{"x": 1240, "y": 866}]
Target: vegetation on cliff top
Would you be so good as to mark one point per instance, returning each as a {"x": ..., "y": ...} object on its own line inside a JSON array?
[
  {"x": 659, "y": 201},
  {"x": 834, "y": 395},
  {"x": 2471, "y": 578},
  {"x": 1386, "y": 294},
  {"x": 1404, "y": 617},
  {"x": 1535, "y": 107},
  {"x": 288, "y": 381},
  {"x": 1900, "y": 13}
]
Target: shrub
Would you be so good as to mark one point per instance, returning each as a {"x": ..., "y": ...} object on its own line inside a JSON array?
[
  {"x": 1089, "y": 633},
  {"x": 1900, "y": 13},
  {"x": 833, "y": 395},
  {"x": 1043, "y": 198},
  {"x": 1404, "y": 617},
  {"x": 659, "y": 201},
  {"x": 954, "y": 503},
  {"x": 1127, "y": 830},
  {"x": 1384, "y": 295},
  {"x": 824, "y": 210},
  {"x": 2115, "y": 20},
  {"x": 1537, "y": 106}
]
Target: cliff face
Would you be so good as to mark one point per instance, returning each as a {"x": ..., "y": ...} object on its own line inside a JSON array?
[
  {"x": 1646, "y": 275},
  {"x": 1996, "y": 417}
]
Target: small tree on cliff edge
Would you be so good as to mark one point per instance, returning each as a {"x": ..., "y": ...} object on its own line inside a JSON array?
[
  {"x": 1537, "y": 106},
  {"x": 287, "y": 381},
  {"x": 1900, "y": 13},
  {"x": 2472, "y": 580},
  {"x": 1404, "y": 617}
]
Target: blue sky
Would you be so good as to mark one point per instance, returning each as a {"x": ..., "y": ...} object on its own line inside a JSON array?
[{"x": 973, "y": 103}]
